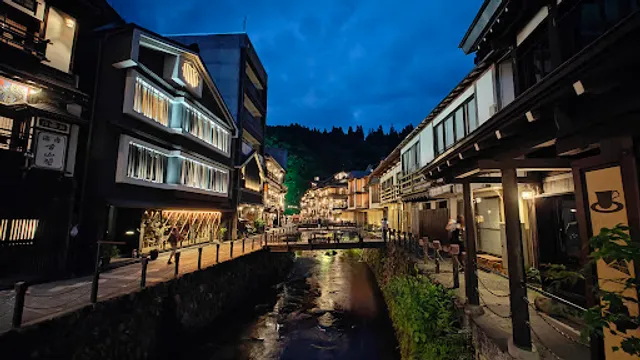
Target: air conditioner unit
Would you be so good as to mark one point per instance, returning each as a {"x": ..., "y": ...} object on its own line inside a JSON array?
[
  {"x": 33, "y": 8},
  {"x": 493, "y": 109}
]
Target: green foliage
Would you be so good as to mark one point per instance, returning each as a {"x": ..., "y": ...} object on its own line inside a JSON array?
[
  {"x": 425, "y": 319},
  {"x": 111, "y": 251},
  {"x": 259, "y": 224},
  {"x": 533, "y": 275},
  {"x": 615, "y": 247},
  {"x": 221, "y": 232},
  {"x": 424, "y": 314}
]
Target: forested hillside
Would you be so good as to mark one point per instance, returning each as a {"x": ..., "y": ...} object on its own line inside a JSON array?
[{"x": 313, "y": 152}]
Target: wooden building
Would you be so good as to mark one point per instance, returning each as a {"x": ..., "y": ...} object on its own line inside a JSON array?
[
  {"x": 45, "y": 88},
  {"x": 161, "y": 146}
]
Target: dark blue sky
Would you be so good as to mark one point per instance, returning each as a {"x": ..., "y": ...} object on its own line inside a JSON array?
[{"x": 335, "y": 62}]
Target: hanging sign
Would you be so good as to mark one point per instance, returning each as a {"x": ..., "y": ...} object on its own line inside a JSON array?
[
  {"x": 607, "y": 208},
  {"x": 190, "y": 74},
  {"x": 50, "y": 150}
]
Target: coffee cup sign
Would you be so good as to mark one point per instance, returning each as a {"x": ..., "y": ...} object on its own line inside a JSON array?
[{"x": 607, "y": 202}]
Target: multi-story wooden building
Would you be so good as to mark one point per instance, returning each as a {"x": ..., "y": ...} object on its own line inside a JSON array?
[
  {"x": 160, "y": 153},
  {"x": 275, "y": 189},
  {"x": 45, "y": 88},
  {"x": 326, "y": 200},
  {"x": 536, "y": 146}
]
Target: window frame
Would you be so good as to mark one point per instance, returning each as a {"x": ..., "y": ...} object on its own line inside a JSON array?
[{"x": 440, "y": 140}]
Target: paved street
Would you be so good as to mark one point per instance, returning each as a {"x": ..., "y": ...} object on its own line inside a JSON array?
[
  {"x": 494, "y": 292},
  {"x": 44, "y": 301}
]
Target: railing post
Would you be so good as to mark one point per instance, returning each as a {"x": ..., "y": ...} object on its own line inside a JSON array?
[
  {"x": 243, "y": 245},
  {"x": 253, "y": 243},
  {"x": 217, "y": 253},
  {"x": 231, "y": 250},
  {"x": 175, "y": 273},
  {"x": 200, "y": 258},
  {"x": 143, "y": 273},
  {"x": 18, "y": 305}
]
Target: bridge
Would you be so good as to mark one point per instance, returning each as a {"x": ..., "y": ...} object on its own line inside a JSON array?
[{"x": 322, "y": 238}]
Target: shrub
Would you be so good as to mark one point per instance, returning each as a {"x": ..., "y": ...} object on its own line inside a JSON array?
[{"x": 425, "y": 318}]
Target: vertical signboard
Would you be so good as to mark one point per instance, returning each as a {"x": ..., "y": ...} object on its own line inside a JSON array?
[
  {"x": 50, "y": 150},
  {"x": 607, "y": 208}
]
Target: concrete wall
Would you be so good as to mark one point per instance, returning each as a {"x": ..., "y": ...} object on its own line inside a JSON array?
[{"x": 148, "y": 324}]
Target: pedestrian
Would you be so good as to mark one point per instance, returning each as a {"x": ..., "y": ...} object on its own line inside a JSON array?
[
  {"x": 456, "y": 233},
  {"x": 385, "y": 228},
  {"x": 174, "y": 238}
]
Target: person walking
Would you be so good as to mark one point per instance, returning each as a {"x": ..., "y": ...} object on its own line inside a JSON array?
[
  {"x": 385, "y": 228},
  {"x": 174, "y": 238}
]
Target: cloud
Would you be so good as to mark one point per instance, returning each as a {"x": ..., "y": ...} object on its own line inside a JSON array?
[{"x": 336, "y": 62}]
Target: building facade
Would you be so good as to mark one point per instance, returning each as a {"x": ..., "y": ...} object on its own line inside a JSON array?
[
  {"x": 530, "y": 146},
  {"x": 161, "y": 146},
  {"x": 275, "y": 189},
  {"x": 326, "y": 201},
  {"x": 44, "y": 101},
  {"x": 237, "y": 70}
]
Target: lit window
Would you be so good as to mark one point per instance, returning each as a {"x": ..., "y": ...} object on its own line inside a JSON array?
[
  {"x": 146, "y": 164},
  {"x": 150, "y": 102},
  {"x": 200, "y": 176},
  {"x": 61, "y": 32},
  {"x": 18, "y": 229},
  {"x": 204, "y": 128}
]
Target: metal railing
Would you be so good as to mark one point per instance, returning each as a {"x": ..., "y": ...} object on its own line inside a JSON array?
[
  {"x": 389, "y": 194},
  {"x": 27, "y": 304}
]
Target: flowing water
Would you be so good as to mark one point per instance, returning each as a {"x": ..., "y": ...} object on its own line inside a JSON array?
[{"x": 328, "y": 308}]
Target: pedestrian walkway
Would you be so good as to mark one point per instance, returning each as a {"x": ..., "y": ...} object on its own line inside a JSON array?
[
  {"x": 49, "y": 300},
  {"x": 552, "y": 338}
]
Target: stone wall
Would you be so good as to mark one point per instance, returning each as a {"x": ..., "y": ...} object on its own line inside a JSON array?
[{"x": 148, "y": 324}]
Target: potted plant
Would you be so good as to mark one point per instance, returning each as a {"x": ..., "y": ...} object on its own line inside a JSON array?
[
  {"x": 221, "y": 233},
  {"x": 107, "y": 252}
]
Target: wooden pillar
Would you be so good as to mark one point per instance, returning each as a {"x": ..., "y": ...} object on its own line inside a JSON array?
[
  {"x": 517, "y": 286},
  {"x": 471, "y": 267}
]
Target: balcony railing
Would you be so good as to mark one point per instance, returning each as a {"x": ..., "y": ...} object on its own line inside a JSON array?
[
  {"x": 389, "y": 194},
  {"x": 22, "y": 39},
  {"x": 253, "y": 125},
  {"x": 413, "y": 183}
]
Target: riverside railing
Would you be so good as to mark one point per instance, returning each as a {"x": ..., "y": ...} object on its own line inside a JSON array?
[{"x": 31, "y": 303}]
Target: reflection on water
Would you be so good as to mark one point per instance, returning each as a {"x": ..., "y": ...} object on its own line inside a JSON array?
[{"x": 329, "y": 308}]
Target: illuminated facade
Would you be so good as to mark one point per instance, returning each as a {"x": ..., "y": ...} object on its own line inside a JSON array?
[
  {"x": 326, "y": 200},
  {"x": 275, "y": 189},
  {"x": 162, "y": 151}
]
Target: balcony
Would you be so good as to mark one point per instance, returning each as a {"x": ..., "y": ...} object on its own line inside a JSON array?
[
  {"x": 22, "y": 39},
  {"x": 390, "y": 194},
  {"x": 252, "y": 125},
  {"x": 256, "y": 95},
  {"x": 413, "y": 183}
]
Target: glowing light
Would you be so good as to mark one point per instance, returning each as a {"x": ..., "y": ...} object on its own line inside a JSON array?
[
  {"x": 129, "y": 232},
  {"x": 71, "y": 23},
  {"x": 190, "y": 74},
  {"x": 527, "y": 195}
]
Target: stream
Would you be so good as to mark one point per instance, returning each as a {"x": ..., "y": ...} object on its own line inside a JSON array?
[{"x": 329, "y": 307}]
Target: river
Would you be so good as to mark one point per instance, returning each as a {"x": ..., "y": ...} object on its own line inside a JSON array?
[{"x": 328, "y": 308}]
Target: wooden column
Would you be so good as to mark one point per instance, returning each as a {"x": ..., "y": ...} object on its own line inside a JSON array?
[
  {"x": 471, "y": 267},
  {"x": 517, "y": 286}
]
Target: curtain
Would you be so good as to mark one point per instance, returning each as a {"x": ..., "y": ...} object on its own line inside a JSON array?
[
  {"x": 146, "y": 164},
  {"x": 151, "y": 103}
]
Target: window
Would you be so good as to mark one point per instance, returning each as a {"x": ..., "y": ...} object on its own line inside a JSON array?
[
  {"x": 472, "y": 115},
  {"x": 6, "y": 129},
  {"x": 204, "y": 128},
  {"x": 150, "y": 102},
  {"x": 61, "y": 31},
  {"x": 16, "y": 135},
  {"x": 411, "y": 159},
  {"x": 449, "y": 139},
  {"x": 439, "y": 138},
  {"x": 200, "y": 176},
  {"x": 18, "y": 229},
  {"x": 454, "y": 128},
  {"x": 459, "y": 121},
  {"x": 146, "y": 164}
]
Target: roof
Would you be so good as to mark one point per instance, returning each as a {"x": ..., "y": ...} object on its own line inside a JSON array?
[
  {"x": 279, "y": 155},
  {"x": 208, "y": 78},
  {"x": 484, "y": 18},
  {"x": 394, "y": 156}
]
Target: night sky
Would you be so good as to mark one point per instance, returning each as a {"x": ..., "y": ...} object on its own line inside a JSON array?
[{"x": 335, "y": 62}]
